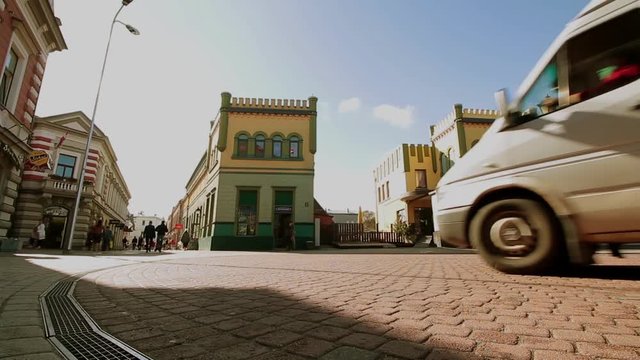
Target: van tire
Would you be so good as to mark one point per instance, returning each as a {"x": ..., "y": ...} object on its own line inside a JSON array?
[{"x": 538, "y": 246}]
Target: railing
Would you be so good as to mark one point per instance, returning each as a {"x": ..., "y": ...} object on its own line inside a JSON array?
[
  {"x": 343, "y": 233},
  {"x": 66, "y": 186}
]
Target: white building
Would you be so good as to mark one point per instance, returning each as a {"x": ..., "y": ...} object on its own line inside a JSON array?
[{"x": 140, "y": 221}]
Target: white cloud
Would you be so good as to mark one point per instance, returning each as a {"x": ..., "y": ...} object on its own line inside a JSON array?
[
  {"x": 349, "y": 105},
  {"x": 395, "y": 116}
]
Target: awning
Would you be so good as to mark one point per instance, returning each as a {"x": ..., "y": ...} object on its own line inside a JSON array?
[{"x": 415, "y": 194}]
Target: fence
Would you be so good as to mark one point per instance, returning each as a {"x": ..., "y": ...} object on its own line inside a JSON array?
[{"x": 355, "y": 233}]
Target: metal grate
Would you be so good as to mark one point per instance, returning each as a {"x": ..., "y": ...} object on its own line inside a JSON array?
[{"x": 73, "y": 331}]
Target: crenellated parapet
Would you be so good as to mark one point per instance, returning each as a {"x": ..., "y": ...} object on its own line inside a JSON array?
[
  {"x": 459, "y": 113},
  {"x": 294, "y": 104}
]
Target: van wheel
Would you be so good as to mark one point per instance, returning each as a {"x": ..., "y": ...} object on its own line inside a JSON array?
[{"x": 517, "y": 236}]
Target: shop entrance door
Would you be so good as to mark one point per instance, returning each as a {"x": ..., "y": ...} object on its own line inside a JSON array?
[
  {"x": 282, "y": 217},
  {"x": 55, "y": 219}
]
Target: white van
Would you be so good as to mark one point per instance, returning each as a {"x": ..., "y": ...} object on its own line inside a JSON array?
[{"x": 560, "y": 171}]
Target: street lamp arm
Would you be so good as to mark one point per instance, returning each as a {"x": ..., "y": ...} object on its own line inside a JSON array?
[{"x": 89, "y": 136}]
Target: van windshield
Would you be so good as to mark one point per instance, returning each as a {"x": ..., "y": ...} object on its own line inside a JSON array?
[{"x": 543, "y": 95}]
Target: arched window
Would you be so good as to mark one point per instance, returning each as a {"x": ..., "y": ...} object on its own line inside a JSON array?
[
  {"x": 277, "y": 146},
  {"x": 243, "y": 145},
  {"x": 259, "y": 146},
  {"x": 294, "y": 147}
]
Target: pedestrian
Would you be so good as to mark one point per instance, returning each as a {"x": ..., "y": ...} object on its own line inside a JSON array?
[
  {"x": 94, "y": 237},
  {"x": 161, "y": 230},
  {"x": 615, "y": 249},
  {"x": 125, "y": 243},
  {"x": 134, "y": 243},
  {"x": 106, "y": 239},
  {"x": 291, "y": 236},
  {"x": 149, "y": 235},
  {"x": 33, "y": 239},
  {"x": 40, "y": 234},
  {"x": 185, "y": 240}
]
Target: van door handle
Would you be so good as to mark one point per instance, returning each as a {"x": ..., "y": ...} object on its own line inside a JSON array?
[{"x": 490, "y": 165}]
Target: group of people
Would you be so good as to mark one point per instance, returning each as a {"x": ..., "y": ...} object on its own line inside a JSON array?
[
  {"x": 99, "y": 237},
  {"x": 152, "y": 237}
]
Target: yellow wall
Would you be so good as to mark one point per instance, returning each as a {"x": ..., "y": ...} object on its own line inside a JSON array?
[{"x": 268, "y": 124}]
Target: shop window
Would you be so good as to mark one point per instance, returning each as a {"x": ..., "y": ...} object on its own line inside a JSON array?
[
  {"x": 294, "y": 147},
  {"x": 277, "y": 146},
  {"x": 246, "y": 213},
  {"x": 604, "y": 58},
  {"x": 259, "y": 150},
  {"x": 66, "y": 166}
]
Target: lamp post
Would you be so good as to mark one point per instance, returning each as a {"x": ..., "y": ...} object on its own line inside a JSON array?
[{"x": 74, "y": 218}]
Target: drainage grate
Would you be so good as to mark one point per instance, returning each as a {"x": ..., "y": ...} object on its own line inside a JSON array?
[{"x": 73, "y": 331}]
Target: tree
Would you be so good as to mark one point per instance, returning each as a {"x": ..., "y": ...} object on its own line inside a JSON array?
[{"x": 369, "y": 220}]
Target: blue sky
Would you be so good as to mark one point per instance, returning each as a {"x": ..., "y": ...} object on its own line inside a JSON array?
[{"x": 383, "y": 72}]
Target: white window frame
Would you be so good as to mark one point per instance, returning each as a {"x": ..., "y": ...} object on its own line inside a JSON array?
[{"x": 17, "y": 45}]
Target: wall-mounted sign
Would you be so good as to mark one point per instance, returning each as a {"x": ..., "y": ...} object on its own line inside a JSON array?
[
  {"x": 10, "y": 153},
  {"x": 283, "y": 209},
  {"x": 38, "y": 160},
  {"x": 179, "y": 226},
  {"x": 56, "y": 211},
  {"x": 114, "y": 221}
]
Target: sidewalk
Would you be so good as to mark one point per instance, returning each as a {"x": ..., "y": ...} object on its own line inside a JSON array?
[{"x": 24, "y": 276}]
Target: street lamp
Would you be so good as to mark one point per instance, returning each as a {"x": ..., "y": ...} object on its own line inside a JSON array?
[{"x": 134, "y": 31}]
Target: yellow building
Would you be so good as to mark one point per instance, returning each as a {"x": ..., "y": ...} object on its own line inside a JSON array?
[
  {"x": 256, "y": 177},
  {"x": 458, "y": 132},
  {"x": 403, "y": 181},
  {"x": 407, "y": 175}
]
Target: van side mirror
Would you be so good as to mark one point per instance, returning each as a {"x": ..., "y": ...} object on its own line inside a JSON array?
[{"x": 503, "y": 106}]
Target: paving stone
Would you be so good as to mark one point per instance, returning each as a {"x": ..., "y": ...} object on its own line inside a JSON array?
[
  {"x": 624, "y": 340},
  {"x": 404, "y": 349},
  {"x": 7, "y": 333},
  {"x": 176, "y": 352},
  {"x": 351, "y": 353},
  {"x": 245, "y": 350},
  {"x": 372, "y": 328},
  {"x": 25, "y": 346},
  {"x": 606, "y": 350},
  {"x": 253, "y": 330},
  {"x": 230, "y": 324},
  {"x": 541, "y": 343},
  {"x": 310, "y": 347},
  {"x": 299, "y": 326},
  {"x": 330, "y": 333},
  {"x": 278, "y": 355},
  {"x": 278, "y": 338},
  {"x": 502, "y": 351},
  {"x": 573, "y": 335},
  {"x": 40, "y": 356},
  {"x": 363, "y": 340},
  {"x": 557, "y": 355},
  {"x": 451, "y": 343}
]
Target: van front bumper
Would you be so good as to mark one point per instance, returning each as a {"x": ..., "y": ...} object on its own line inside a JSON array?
[{"x": 451, "y": 224}]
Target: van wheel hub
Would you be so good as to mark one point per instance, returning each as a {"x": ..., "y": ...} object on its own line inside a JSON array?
[{"x": 512, "y": 235}]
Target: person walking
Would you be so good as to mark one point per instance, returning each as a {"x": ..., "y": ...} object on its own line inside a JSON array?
[
  {"x": 161, "y": 230},
  {"x": 149, "y": 235},
  {"x": 185, "y": 240},
  {"x": 40, "y": 234},
  {"x": 134, "y": 243},
  {"x": 106, "y": 239},
  {"x": 94, "y": 237}
]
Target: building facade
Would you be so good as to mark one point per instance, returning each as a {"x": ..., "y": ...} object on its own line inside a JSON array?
[
  {"x": 457, "y": 133},
  {"x": 29, "y": 32},
  {"x": 256, "y": 177},
  {"x": 50, "y": 182},
  {"x": 402, "y": 184},
  {"x": 140, "y": 221},
  {"x": 406, "y": 177}
]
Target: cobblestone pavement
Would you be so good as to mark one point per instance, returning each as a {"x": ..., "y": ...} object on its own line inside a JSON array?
[
  {"x": 329, "y": 305},
  {"x": 332, "y": 306}
]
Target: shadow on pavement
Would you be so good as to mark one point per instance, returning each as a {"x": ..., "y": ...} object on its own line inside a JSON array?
[
  {"x": 237, "y": 323},
  {"x": 221, "y": 323},
  {"x": 607, "y": 272}
]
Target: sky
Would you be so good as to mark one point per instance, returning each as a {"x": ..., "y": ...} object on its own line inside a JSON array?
[{"x": 383, "y": 71}]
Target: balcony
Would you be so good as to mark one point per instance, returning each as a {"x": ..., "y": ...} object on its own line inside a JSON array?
[{"x": 66, "y": 187}]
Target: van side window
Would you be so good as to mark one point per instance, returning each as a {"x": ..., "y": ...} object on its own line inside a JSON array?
[
  {"x": 542, "y": 97},
  {"x": 604, "y": 58}
]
